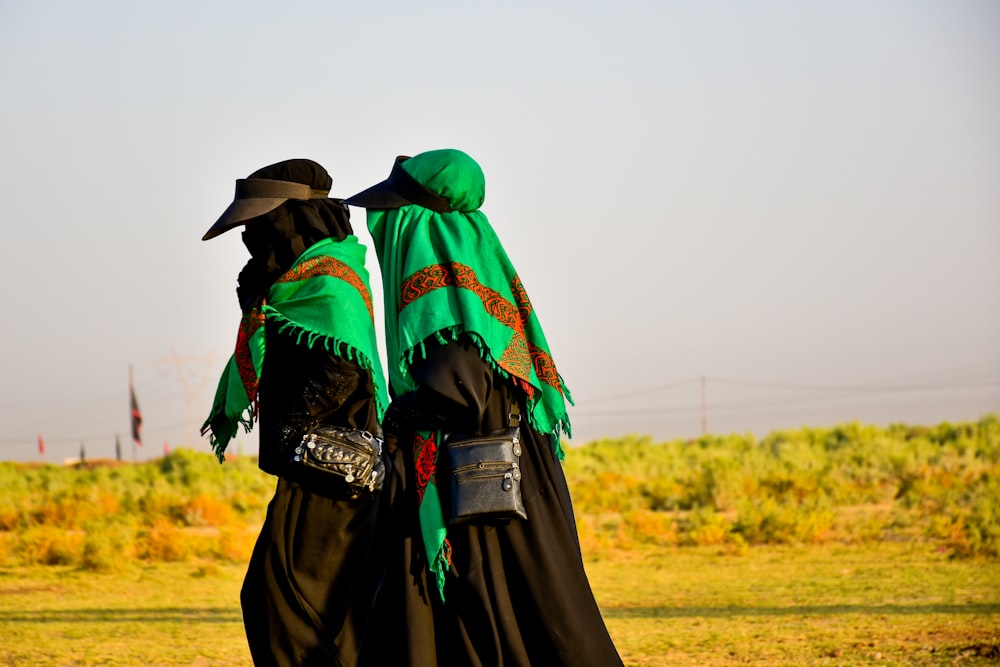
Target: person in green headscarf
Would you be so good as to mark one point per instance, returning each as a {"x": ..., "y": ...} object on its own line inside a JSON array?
[
  {"x": 306, "y": 355},
  {"x": 464, "y": 347}
]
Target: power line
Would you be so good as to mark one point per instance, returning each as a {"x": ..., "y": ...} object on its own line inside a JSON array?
[
  {"x": 890, "y": 384},
  {"x": 642, "y": 392},
  {"x": 893, "y": 384},
  {"x": 108, "y": 404},
  {"x": 846, "y": 393},
  {"x": 863, "y": 388}
]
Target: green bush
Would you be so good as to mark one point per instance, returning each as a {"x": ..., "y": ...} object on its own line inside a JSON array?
[
  {"x": 851, "y": 483},
  {"x": 102, "y": 513},
  {"x": 108, "y": 544}
]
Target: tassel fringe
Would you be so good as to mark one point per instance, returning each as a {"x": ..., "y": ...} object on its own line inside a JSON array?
[
  {"x": 452, "y": 334},
  {"x": 330, "y": 344}
]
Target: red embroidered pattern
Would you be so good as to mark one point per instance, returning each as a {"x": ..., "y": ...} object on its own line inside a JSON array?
[
  {"x": 251, "y": 321},
  {"x": 545, "y": 368},
  {"x": 436, "y": 276},
  {"x": 519, "y": 356},
  {"x": 521, "y": 298},
  {"x": 515, "y": 359},
  {"x": 328, "y": 266},
  {"x": 424, "y": 458},
  {"x": 446, "y": 551}
]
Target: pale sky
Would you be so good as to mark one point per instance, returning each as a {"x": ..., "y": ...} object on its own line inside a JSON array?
[{"x": 797, "y": 201}]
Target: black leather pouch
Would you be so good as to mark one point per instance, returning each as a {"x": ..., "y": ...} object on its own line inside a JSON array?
[{"x": 485, "y": 474}]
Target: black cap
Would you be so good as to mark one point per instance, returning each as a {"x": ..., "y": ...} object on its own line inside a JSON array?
[
  {"x": 257, "y": 196},
  {"x": 400, "y": 189}
]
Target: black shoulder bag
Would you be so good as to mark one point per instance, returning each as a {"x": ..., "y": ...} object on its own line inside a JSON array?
[
  {"x": 346, "y": 455},
  {"x": 485, "y": 473}
]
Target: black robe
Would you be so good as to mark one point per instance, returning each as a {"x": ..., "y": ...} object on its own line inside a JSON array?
[
  {"x": 517, "y": 593},
  {"x": 312, "y": 576}
]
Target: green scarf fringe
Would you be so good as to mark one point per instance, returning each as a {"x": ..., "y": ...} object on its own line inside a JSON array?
[
  {"x": 333, "y": 345},
  {"x": 303, "y": 303},
  {"x": 452, "y": 334}
]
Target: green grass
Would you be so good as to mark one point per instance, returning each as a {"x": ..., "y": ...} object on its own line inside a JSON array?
[
  {"x": 848, "y": 546},
  {"x": 164, "y": 614},
  {"x": 821, "y": 605},
  {"x": 880, "y": 604}
]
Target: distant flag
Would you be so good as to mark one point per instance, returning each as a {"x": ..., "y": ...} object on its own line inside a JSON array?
[
  {"x": 166, "y": 448},
  {"x": 83, "y": 453},
  {"x": 136, "y": 414},
  {"x": 118, "y": 448},
  {"x": 41, "y": 444}
]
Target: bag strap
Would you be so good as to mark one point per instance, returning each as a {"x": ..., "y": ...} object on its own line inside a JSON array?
[{"x": 514, "y": 416}]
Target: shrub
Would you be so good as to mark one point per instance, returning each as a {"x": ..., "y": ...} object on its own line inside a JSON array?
[
  {"x": 974, "y": 528},
  {"x": 648, "y": 527},
  {"x": 236, "y": 543},
  {"x": 206, "y": 510},
  {"x": 108, "y": 545},
  {"x": 48, "y": 545},
  {"x": 8, "y": 548},
  {"x": 704, "y": 527},
  {"x": 163, "y": 541},
  {"x": 851, "y": 482}
]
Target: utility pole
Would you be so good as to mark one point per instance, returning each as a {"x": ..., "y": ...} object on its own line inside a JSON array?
[{"x": 195, "y": 376}]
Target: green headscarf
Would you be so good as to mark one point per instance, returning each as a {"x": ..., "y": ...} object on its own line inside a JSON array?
[
  {"x": 325, "y": 299},
  {"x": 445, "y": 274}
]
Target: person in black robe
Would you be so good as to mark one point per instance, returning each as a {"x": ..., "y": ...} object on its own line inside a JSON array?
[
  {"x": 465, "y": 347},
  {"x": 312, "y": 576}
]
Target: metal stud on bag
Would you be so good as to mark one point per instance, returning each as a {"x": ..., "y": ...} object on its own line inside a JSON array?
[{"x": 353, "y": 455}]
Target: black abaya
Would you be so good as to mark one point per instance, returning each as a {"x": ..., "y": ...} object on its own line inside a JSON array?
[
  {"x": 517, "y": 593},
  {"x": 310, "y": 582}
]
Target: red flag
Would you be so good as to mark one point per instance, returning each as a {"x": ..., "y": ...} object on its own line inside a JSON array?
[
  {"x": 166, "y": 448},
  {"x": 136, "y": 414},
  {"x": 41, "y": 445}
]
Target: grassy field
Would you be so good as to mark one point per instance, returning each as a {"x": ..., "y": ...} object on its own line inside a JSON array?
[
  {"x": 879, "y": 604},
  {"x": 847, "y": 545}
]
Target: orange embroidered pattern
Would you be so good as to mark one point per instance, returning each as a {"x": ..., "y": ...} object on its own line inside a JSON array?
[
  {"x": 519, "y": 356},
  {"x": 334, "y": 268},
  {"x": 515, "y": 358},
  {"x": 251, "y": 321},
  {"x": 545, "y": 368},
  {"x": 521, "y": 297}
]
